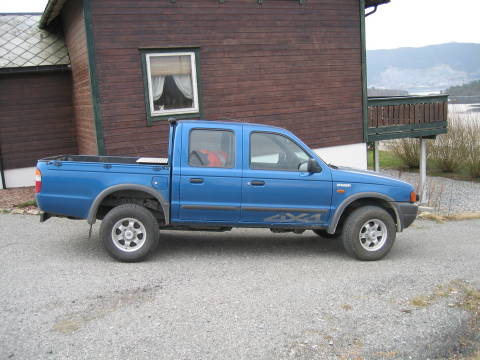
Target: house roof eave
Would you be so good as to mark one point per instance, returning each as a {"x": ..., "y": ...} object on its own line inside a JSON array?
[
  {"x": 52, "y": 10},
  {"x": 54, "y": 7},
  {"x": 370, "y": 3}
]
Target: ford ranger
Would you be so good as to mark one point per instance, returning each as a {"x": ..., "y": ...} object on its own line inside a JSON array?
[{"x": 220, "y": 175}]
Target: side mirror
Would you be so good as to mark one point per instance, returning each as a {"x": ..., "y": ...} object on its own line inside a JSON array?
[{"x": 313, "y": 166}]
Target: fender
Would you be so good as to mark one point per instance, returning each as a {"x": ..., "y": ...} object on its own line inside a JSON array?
[
  {"x": 344, "y": 204},
  {"x": 100, "y": 197}
]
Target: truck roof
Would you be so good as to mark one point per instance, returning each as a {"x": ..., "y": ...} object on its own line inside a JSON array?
[{"x": 227, "y": 123}]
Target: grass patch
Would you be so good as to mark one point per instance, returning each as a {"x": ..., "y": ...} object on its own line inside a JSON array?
[
  {"x": 455, "y": 217},
  {"x": 441, "y": 291},
  {"x": 462, "y": 295},
  {"x": 439, "y": 219},
  {"x": 420, "y": 301},
  {"x": 464, "y": 216},
  {"x": 471, "y": 299},
  {"x": 26, "y": 204},
  {"x": 387, "y": 160},
  {"x": 475, "y": 356},
  {"x": 387, "y": 354}
]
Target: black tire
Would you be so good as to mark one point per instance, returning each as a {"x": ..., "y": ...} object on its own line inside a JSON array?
[
  {"x": 325, "y": 235},
  {"x": 369, "y": 233},
  {"x": 136, "y": 236}
]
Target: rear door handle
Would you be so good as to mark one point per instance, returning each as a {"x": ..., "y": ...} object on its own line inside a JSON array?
[
  {"x": 196, "y": 180},
  {"x": 256, "y": 183}
]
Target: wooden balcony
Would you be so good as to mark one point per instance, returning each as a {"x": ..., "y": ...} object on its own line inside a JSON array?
[{"x": 406, "y": 116}]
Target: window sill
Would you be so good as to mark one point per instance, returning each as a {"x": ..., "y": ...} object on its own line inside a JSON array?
[{"x": 152, "y": 119}]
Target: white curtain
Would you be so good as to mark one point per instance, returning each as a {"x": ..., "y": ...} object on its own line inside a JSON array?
[
  {"x": 157, "y": 87},
  {"x": 184, "y": 84}
]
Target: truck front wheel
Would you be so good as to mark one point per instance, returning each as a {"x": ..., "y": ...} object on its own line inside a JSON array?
[
  {"x": 368, "y": 233},
  {"x": 129, "y": 232}
]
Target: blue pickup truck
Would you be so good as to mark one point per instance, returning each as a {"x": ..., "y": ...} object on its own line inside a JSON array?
[{"x": 220, "y": 175}]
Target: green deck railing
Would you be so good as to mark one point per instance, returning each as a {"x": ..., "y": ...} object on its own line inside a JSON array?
[{"x": 406, "y": 116}]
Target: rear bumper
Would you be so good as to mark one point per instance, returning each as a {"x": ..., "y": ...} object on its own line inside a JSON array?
[{"x": 408, "y": 213}]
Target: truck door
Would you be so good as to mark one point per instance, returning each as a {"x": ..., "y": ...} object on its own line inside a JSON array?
[
  {"x": 276, "y": 189},
  {"x": 210, "y": 174}
]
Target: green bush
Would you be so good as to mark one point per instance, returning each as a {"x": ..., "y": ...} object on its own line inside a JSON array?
[
  {"x": 457, "y": 151},
  {"x": 449, "y": 151},
  {"x": 407, "y": 150},
  {"x": 472, "y": 144}
]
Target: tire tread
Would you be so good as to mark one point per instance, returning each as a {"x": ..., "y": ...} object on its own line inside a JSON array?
[
  {"x": 351, "y": 228},
  {"x": 130, "y": 210}
]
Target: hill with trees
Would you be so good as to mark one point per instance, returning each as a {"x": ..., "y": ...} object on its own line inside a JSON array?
[{"x": 469, "y": 89}]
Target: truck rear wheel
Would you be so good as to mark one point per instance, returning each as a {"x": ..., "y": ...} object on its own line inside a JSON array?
[
  {"x": 368, "y": 233},
  {"x": 129, "y": 232}
]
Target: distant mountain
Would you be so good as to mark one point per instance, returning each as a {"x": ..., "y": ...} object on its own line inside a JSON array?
[
  {"x": 385, "y": 92},
  {"x": 425, "y": 69}
]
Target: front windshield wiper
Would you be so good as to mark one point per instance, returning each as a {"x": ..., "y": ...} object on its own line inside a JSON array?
[{"x": 333, "y": 166}]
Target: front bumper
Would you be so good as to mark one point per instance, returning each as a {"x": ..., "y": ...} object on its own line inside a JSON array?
[{"x": 408, "y": 213}]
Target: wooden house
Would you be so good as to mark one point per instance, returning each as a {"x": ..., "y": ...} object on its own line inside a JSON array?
[{"x": 297, "y": 64}]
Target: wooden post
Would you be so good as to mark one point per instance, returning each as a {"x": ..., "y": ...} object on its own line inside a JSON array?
[
  {"x": 376, "y": 156},
  {"x": 423, "y": 172}
]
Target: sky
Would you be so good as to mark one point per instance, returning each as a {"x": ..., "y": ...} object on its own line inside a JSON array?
[
  {"x": 415, "y": 23},
  {"x": 22, "y": 5},
  {"x": 401, "y": 23}
]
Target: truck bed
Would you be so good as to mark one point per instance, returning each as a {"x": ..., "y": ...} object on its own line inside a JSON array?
[
  {"x": 70, "y": 183},
  {"x": 107, "y": 159}
]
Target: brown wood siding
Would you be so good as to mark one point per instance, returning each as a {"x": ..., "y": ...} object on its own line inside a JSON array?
[
  {"x": 82, "y": 94},
  {"x": 278, "y": 63},
  {"x": 36, "y": 118}
]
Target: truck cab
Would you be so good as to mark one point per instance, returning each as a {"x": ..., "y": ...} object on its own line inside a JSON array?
[
  {"x": 220, "y": 175},
  {"x": 247, "y": 174}
]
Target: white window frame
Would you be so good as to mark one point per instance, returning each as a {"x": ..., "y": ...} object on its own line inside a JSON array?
[{"x": 192, "y": 110}]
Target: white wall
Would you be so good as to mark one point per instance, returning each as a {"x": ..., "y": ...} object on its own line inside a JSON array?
[
  {"x": 354, "y": 155},
  {"x": 19, "y": 177}
]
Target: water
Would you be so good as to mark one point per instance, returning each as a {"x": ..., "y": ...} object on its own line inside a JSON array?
[
  {"x": 425, "y": 93},
  {"x": 465, "y": 109},
  {"x": 472, "y": 103}
]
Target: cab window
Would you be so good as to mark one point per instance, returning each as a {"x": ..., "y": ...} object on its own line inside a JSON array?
[
  {"x": 211, "y": 148},
  {"x": 269, "y": 151}
]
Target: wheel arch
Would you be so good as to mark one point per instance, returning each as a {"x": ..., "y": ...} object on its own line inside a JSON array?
[
  {"x": 360, "y": 199},
  {"x": 92, "y": 213}
]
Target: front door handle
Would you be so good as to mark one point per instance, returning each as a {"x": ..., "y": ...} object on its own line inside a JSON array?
[
  {"x": 196, "y": 180},
  {"x": 256, "y": 183}
]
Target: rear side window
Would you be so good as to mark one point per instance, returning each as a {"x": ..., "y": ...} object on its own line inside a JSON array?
[{"x": 211, "y": 148}]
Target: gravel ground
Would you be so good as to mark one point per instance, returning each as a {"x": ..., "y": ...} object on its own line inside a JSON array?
[
  {"x": 247, "y": 294},
  {"x": 446, "y": 196}
]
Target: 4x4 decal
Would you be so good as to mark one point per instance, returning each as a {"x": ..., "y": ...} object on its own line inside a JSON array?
[{"x": 291, "y": 218}]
